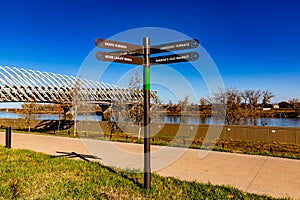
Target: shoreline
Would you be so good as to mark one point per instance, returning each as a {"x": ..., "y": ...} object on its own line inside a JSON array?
[{"x": 275, "y": 113}]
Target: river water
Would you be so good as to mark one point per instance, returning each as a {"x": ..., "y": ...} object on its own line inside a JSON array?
[
  {"x": 9, "y": 115},
  {"x": 287, "y": 122}
]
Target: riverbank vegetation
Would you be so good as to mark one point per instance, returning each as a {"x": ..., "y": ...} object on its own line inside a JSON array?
[
  {"x": 263, "y": 148},
  {"x": 102, "y": 131},
  {"x": 29, "y": 175},
  {"x": 235, "y": 107}
]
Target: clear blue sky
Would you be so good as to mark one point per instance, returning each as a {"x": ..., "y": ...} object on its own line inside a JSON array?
[{"x": 254, "y": 43}]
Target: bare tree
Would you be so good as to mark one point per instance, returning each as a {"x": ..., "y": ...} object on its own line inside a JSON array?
[
  {"x": 28, "y": 108},
  {"x": 294, "y": 102},
  {"x": 234, "y": 112},
  {"x": 171, "y": 107},
  {"x": 156, "y": 110},
  {"x": 204, "y": 102},
  {"x": 228, "y": 104},
  {"x": 66, "y": 107},
  {"x": 218, "y": 104},
  {"x": 135, "y": 85},
  {"x": 250, "y": 98},
  {"x": 184, "y": 103},
  {"x": 136, "y": 112},
  {"x": 115, "y": 115},
  {"x": 205, "y": 106},
  {"x": 253, "y": 96},
  {"x": 266, "y": 97},
  {"x": 244, "y": 97}
]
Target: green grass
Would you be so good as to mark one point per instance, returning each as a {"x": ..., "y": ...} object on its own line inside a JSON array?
[{"x": 29, "y": 175}]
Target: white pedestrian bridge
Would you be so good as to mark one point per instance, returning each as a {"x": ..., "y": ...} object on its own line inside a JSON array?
[{"x": 23, "y": 85}]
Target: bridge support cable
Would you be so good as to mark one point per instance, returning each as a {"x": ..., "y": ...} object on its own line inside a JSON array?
[{"x": 26, "y": 85}]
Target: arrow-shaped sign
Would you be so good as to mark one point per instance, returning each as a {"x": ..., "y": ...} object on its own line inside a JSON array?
[
  {"x": 119, "y": 46},
  {"x": 175, "y": 58},
  {"x": 175, "y": 46},
  {"x": 113, "y": 57}
]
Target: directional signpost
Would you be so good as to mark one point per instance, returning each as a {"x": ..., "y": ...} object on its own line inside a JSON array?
[
  {"x": 175, "y": 46},
  {"x": 140, "y": 55},
  {"x": 120, "y": 46},
  {"x": 175, "y": 58},
  {"x": 114, "y": 57}
]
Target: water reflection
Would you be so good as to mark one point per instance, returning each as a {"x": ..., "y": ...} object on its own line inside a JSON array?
[
  {"x": 9, "y": 115},
  {"x": 289, "y": 122}
]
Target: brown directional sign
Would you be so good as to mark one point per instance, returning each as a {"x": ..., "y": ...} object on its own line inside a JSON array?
[
  {"x": 127, "y": 53},
  {"x": 119, "y": 46},
  {"x": 175, "y": 58},
  {"x": 175, "y": 46},
  {"x": 113, "y": 57}
]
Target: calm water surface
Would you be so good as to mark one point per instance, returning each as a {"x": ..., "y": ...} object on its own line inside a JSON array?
[
  {"x": 288, "y": 122},
  {"x": 9, "y": 115}
]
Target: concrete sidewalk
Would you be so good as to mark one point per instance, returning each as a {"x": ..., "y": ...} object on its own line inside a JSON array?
[{"x": 276, "y": 177}]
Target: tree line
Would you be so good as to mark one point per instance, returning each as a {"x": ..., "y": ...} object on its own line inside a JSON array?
[
  {"x": 235, "y": 106},
  {"x": 231, "y": 104}
]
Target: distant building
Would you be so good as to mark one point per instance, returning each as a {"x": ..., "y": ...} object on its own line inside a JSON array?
[
  {"x": 275, "y": 106},
  {"x": 266, "y": 108}
]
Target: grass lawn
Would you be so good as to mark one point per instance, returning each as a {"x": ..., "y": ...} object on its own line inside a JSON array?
[{"x": 29, "y": 175}]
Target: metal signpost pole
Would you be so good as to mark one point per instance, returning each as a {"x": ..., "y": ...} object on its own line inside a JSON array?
[
  {"x": 146, "y": 87},
  {"x": 130, "y": 54}
]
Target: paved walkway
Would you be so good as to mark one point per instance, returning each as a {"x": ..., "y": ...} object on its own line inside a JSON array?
[{"x": 276, "y": 177}]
